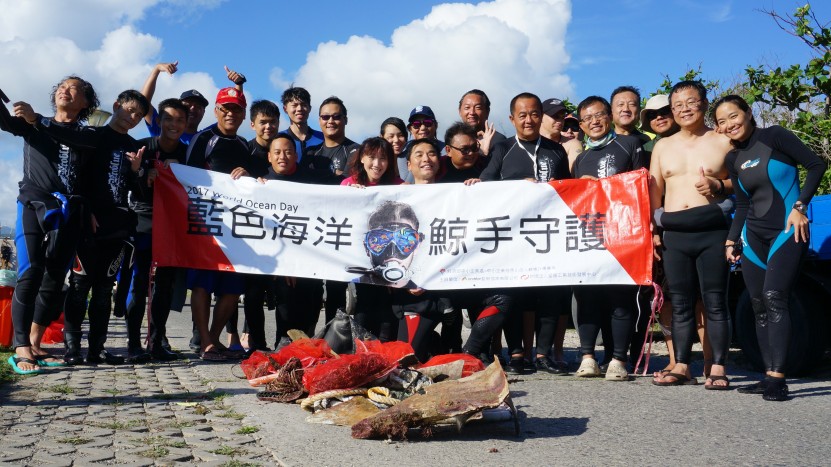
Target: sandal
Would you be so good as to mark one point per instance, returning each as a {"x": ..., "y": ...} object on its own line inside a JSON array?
[
  {"x": 14, "y": 360},
  {"x": 47, "y": 359},
  {"x": 717, "y": 387},
  {"x": 212, "y": 355},
  {"x": 680, "y": 380}
]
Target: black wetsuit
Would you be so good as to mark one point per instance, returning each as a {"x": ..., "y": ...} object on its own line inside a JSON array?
[
  {"x": 50, "y": 216},
  {"x": 450, "y": 174},
  {"x": 107, "y": 183},
  {"x": 511, "y": 159},
  {"x": 141, "y": 201},
  {"x": 596, "y": 303},
  {"x": 766, "y": 182},
  {"x": 298, "y": 305},
  {"x": 258, "y": 164}
]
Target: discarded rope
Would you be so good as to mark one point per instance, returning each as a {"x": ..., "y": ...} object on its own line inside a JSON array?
[{"x": 381, "y": 395}]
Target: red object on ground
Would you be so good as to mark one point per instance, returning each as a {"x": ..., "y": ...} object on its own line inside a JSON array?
[
  {"x": 256, "y": 365},
  {"x": 6, "y": 329},
  {"x": 347, "y": 372},
  {"x": 395, "y": 351},
  {"x": 309, "y": 351},
  {"x": 54, "y": 333},
  {"x": 472, "y": 364}
]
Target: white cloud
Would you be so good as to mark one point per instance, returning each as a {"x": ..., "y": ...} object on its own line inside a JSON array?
[{"x": 503, "y": 47}]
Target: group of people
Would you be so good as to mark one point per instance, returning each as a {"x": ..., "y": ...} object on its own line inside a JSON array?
[{"x": 88, "y": 191}]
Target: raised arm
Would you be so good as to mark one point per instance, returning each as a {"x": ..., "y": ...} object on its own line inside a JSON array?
[
  {"x": 237, "y": 78},
  {"x": 149, "y": 88}
]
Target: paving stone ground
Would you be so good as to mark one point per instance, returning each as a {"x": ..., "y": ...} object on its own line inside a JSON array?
[{"x": 155, "y": 414}]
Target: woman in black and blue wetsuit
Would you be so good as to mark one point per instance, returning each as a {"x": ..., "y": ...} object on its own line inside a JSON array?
[{"x": 770, "y": 229}]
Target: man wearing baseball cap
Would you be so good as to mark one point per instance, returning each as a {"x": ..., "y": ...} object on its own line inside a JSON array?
[
  {"x": 554, "y": 113},
  {"x": 656, "y": 117},
  {"x": 219, "y": 149},
  {"x": 422, "y": 124},
  {"x": 193, "y": 99}
]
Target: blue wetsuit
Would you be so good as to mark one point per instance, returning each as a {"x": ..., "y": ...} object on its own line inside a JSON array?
[{"x": 766, "y": 181}]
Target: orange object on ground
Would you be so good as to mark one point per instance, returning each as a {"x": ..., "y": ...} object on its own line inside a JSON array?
[
  {"x": 54, "y": 333},
  {"x": 472, "y": 364},
  {"x": 6, "y": 329}
]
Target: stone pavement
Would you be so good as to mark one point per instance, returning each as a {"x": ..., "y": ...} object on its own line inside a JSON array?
[{"x": 158, "y": 414}]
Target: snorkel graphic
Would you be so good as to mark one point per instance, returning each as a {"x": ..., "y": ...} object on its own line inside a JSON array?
[{"x": 390, "y": 242}]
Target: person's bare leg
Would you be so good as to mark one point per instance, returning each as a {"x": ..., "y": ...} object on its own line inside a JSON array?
[
  {"x": 225, "y": 306},
  {"x": 26, "y": 352},
  {"x": 36, "y": 338},
  {"x": 200, "y": 305},
  {"x": 701, "y": 328},
  {"x": 665, "y": 318}
]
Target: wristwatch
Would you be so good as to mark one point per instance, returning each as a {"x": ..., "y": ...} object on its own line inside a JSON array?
[{"x": 801, "y": 208}]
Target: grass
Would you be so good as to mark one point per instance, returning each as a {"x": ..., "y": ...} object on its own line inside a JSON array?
[
  {"x": 160, "y": 441},
  {"x": 228, "y": 451},
  {"x": 217, "y": 396},
  {"x": 120, "y": 425},
  {"x": 75, "y": 440},
  {"x": 181, "y": 424},
  {"x": 61, "y": 389},
  {"x": 115, "y": 402},
  {"x": 247, "y": 430},
  {"x": 236, "y": 463},
  {"x": 231, "y": 414},
  {"x": 7, "y": 375},
  {"x": 201, "y": 410},
  {"x": 112, "y": 392},
  {"x": 155, "y": 452}
]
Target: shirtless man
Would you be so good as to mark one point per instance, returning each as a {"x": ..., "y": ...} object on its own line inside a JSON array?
[{"x": 688, "y": 171}]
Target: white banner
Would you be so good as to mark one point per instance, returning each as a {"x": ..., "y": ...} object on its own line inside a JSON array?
[{"x": 442, "y": 236}]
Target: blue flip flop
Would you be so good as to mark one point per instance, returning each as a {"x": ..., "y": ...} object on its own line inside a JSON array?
[
  {"x": 42, "y": 361},
  {"x": 14, "y": 360}
]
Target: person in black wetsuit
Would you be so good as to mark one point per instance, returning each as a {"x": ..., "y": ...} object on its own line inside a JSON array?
[
  {"x": 334, "y": 154},
  {"x": 115, "y": 163},
  {"x": 49, "y": 206},
  {"x": 265, "y": 121},
  {"x": 474, "y": 109},
  {"x": 606, "y": 154},
  {"x": 161, "y": 150},
  {"x": 530, "y": 156},
  {"x": 299, "y": 299},
  {"x": 770, "y": 229}
]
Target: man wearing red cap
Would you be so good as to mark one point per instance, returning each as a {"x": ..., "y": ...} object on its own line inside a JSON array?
[{"x": 219, "y": 149}]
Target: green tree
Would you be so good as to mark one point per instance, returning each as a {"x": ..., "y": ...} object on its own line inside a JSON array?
[{"x": 798, "y": 96}]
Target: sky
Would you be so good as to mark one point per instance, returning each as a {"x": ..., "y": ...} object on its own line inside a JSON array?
[{"x": 382, "y": 58}]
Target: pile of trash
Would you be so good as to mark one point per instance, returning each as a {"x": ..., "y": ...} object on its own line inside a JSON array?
[{"x": 346, "y": 377}]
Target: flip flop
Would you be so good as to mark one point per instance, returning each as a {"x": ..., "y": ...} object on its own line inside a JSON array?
[
  {"x": 212, "y": 356},
  {"x": 680, "y": 380},
  {"x": 42, "y": 360},
  {"x": 715, "y": 387},
  {"x": 14, "y": 360}
]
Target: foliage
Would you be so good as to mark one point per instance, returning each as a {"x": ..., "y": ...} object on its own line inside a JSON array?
[{"x": 798, "y": 97}]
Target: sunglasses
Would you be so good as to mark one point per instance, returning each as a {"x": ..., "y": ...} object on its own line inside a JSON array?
[
  {"x": 426, "y": 122},
  {"x": 466, "y": 150},
  {"x": 665, "y": 112},
  {"x": 405, "y": 239},
  {"x": 571, "y": 126},
  {"x": 335, "y": 117}
]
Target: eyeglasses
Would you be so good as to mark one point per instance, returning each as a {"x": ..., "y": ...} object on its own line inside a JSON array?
[
  {"x": 665, "y": 112},
  {"x": 599, "y": 116},
  {"x": 335, "y": 117},
  {"x": 405, "y": 239},
  {"x": 236, "y": 110},
  {"x": 426, "y": 122},
  {"x": 467, "y": 150},
  {"x": 571, "y": 126},
  {"x": 690, "y": 104}
]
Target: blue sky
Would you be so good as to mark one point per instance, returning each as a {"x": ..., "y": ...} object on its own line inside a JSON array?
[{"x": 382, "y": 58}]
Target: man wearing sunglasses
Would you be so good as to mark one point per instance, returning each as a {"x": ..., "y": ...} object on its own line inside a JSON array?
[
  {"x": 336, "y": 150},
  {"x": 554, "y": 121},
  {"x": 422, "y": 124},
  {"x": 332, "y": 156},
  {"x": 464, "y": 163}
]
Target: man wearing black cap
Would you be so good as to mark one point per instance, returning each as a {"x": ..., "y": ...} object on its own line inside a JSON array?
[
  {"x": 193, "y": 99},
  {"x": 422, "y": 124},
  {"x": 554, "y": 114}
]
